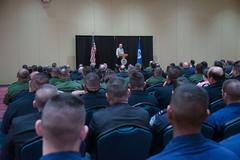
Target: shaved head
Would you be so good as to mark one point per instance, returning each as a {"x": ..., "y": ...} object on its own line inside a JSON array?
[
  {"x": 92, "y": 82},
  {"x": 62, "y": 120},
  {"x": 189, "y": 104},
  {"x": 231, "y": 89}
]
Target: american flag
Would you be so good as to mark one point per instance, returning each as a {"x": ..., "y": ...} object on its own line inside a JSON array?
[{"x": 93, "y": 52}]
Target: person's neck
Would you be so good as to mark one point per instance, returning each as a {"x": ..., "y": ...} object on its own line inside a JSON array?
[
  {"x": 48, "y": 148},
  {"x": 179, "y": 131},
  {"x": 112, "y": 103}
]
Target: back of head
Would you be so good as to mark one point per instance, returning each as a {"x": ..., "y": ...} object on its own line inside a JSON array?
[
  {"x": 205, "y": 64},
  {"x": 92, "y": 82},
  {"x": 37, "y": 80},
  {"x": 218, "y": 64},
  {"x": 231, "y": 91},
  {"x": 157, "y": 71},
  {"x": 136, "y": 81},
  {"x": 62, "y": 120},
  {"x": 138, "y": 67},
  {"x": 216, "y": 73},
  {"x": 54, "y": 64},
  {"x": 199, "y": 68},
  {"x": 117, "y": 90},
  {"x": 86, "y": 70},
  {"x": 185, "y": 65},
  {"x": 45, "y": 93},
  {"x": 236, "y": 68},
  {"x": 173, "y": 73},
  {"x": 189, "y": 104},
  {"x": 23, "y": 74},
  {"x": 64, "y": 73}
]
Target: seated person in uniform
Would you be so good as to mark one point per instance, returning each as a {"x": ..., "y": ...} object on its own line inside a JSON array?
[
  {"x": 93, "y": 96},
  {"x": 23, "y": 127},
  {"x": 137, "y": 94},
  {"x": 231, "y": 96},
  {"x": 156, "y": 78},
  {"x": 216, "y": 78},
  {"x": 236, "y": 70},
  {"x": 24, "y": 105},
  {"x": 15, "y": 88},
  {"x": 232, "y": 143},
  {"x": 187, "y": 110},
  {"x": 62, "y": 128},
  {"x": 119, "y": 113}
]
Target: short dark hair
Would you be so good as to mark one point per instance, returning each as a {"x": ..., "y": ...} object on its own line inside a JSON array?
[
  {"x": 232, "y": 88},
  {"x": 205, "y": 64},
  {"x": 136, "y": 80},
  {"x": 117, "y": 87},
  {"x": 92, "y": 81},
  {"x": 62, "y": 119},
  {"x": 236, "y": 66},
  {"x": 199, "y": 68},
  {"x": 40, "y": 78},
  {"x": 190, "y": 104},
  {"x": 174, "y": 72}
]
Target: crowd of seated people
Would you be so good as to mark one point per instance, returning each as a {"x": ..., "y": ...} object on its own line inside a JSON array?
[{"x": 115, "y": 92}]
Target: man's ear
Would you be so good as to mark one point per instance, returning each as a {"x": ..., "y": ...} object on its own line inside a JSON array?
[
  {"x": 34, "y": 104},
  {"x": 38, "y": 127},
  {"x": 170, "y": 112},
  {"x": 207, "y": 114},
  {"x": 145, "y": 84},
  {"x": 128, "y": 92},
  {"x": 84, "y": 132}
]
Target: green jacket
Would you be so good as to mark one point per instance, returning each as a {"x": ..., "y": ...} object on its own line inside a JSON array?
[
  {"x": 68, "y": 85},
  {"x": 196, "y": 78},
  {"x": 54, "y": 81},
  {"x": 14, "y": 89},
  {"x": 155, "y": 80}
]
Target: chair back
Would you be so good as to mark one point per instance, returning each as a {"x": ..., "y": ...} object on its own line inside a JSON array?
[
  {"x": 216, "y": 105},
  {"x": 231, "y": 128},
  {"x": 32, "y": 150},
  {"x": 207, "y": 131},
  {"x": 90, "y": 112},
  {"x": 149, "y": 107},
  {"x": 127, "y": 142}
]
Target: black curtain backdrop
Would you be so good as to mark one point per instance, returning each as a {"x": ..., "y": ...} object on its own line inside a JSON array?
[{"x": 106, "y": 49}]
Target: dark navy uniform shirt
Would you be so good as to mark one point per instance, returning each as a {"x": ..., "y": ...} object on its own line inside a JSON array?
[
  {"x": 64, "y": 156},
  {"x": 224, "y": 115},
  {"x": 232, "y": 143},
  {"x": 194, "y": 147}
]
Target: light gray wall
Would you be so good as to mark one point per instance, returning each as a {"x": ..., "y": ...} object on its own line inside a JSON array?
[{"x": 33, "y": 33}]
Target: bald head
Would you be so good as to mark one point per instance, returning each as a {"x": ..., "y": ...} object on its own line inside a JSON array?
[
  {"x": 23, "y": 74},
  {"x": 92, "y": 82},
  {"x": 186, "y": 65},
  {"x": 42, "y": 95},
  {"x": 189, "y": 105},
  {"x": 62, "y": 122},
  {"x": 231, "y": 91},
  {"x": 215, "y": 74}
]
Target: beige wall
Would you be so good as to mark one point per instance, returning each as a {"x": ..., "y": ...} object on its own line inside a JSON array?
[{"x": 33, "y": 33}]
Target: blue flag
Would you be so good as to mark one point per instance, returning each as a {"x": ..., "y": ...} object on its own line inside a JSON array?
[{"x": 139, "y": 53}]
